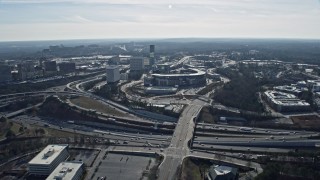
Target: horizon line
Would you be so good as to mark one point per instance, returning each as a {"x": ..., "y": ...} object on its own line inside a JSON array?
[{"x": 165, "y": 38}]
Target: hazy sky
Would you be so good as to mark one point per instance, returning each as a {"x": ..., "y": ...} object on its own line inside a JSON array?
[{"x": 92, "y": 19}]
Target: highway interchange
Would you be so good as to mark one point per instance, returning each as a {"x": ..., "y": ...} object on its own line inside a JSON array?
[{"x": 187, "y": 139}]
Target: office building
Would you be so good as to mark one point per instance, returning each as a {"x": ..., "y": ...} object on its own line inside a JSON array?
[
  {"x": 289, "y": 89},
  {"x": 50, "y": 66},
  {"x": 67, "y": 171},
  {"x": 136, "y": 67},
  {"x": 67, "y": 67},
  {"x": 5, "y": 73},
  {"x": 152, "y": 56},
  {"x": 22, "y": 72},
  {"x": 48, "y": 159},
  {"x": 26, "y": 70},
  {"x": 284, "y": 102},
  {"x": 113, "y": 74},
  {"x": 115, "y": 60},
  {"x": 124, "y": 76},
  {"x": 137, "y": 64},
  {"x": 41, "y": 60}
]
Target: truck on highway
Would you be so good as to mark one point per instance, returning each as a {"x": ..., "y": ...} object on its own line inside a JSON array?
[
  {"x": 283, "y": 133},
  {"x": 111, "y": 119},
  {"x": 245, "y": 129}
]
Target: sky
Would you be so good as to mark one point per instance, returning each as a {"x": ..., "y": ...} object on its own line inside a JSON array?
[{"x": 22, "y": 20}]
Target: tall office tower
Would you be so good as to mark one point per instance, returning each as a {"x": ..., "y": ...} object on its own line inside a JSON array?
[
  {"x": 5, "y": 73},
  {"x": 137, "y": 64},
  {"x": 151, "y": 56},
  {"x": 41, "y": 60},
  {"x": 136, "y": 67},
  {"x": 67, "y": 67},
  {"x": 22, "y": 72},
  {"x": 50, "y": 66},
  {"x": 113, "y": 74}
]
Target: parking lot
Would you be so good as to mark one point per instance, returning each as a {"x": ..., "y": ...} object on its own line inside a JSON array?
[
  {"x": 124, "y": 167},
  {"x": 86, "y": 156}
]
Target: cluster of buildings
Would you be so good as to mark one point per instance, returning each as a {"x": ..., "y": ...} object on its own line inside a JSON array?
[
  {"x": 137, "y": 67},
  {"x": 261, "y": 63},
  {"x": 285, "y": 98},
  {"x": 285, "y": 102},
  {"x": 5, "y": 72},
  {"x": 300, "y": 86},
  {"x": 34, "y": 69},
  {"x": 50, "y": 163}
]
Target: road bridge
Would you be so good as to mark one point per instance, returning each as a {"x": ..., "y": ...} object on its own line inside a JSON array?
[{"x": 179, "y": 147}]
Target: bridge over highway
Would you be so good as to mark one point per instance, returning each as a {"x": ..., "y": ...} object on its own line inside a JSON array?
[{"x": 179, "y": 147}]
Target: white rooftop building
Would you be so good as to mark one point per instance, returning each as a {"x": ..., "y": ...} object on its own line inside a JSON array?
[
  {"x": 67, "y": 171},
  {"x": 48, "y": 159},
  {"x": 113, "y": 73},
  {"x": 160, "y": 90},
  {"x": 282, "y": 102},
  {"x": 290, "y": 89},
  {"x": 222, "y": 172}
]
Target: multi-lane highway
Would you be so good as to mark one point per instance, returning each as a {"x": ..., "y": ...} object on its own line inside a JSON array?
[{"x": 117, "y": 137}]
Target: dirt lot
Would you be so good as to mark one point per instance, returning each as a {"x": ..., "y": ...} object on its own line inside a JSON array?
[{"x": 311, "y": 121}]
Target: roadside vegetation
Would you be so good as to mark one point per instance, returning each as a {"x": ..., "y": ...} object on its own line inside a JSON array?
[
  {"x": 23, "y": 102},
  {"x": 279, "y": 171},
  {"x": 241, "y": 91},
  {"x": 89, "y": 103},
  {"x": 9, "y": 129},
  {"x": 190, "y": 171}
]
